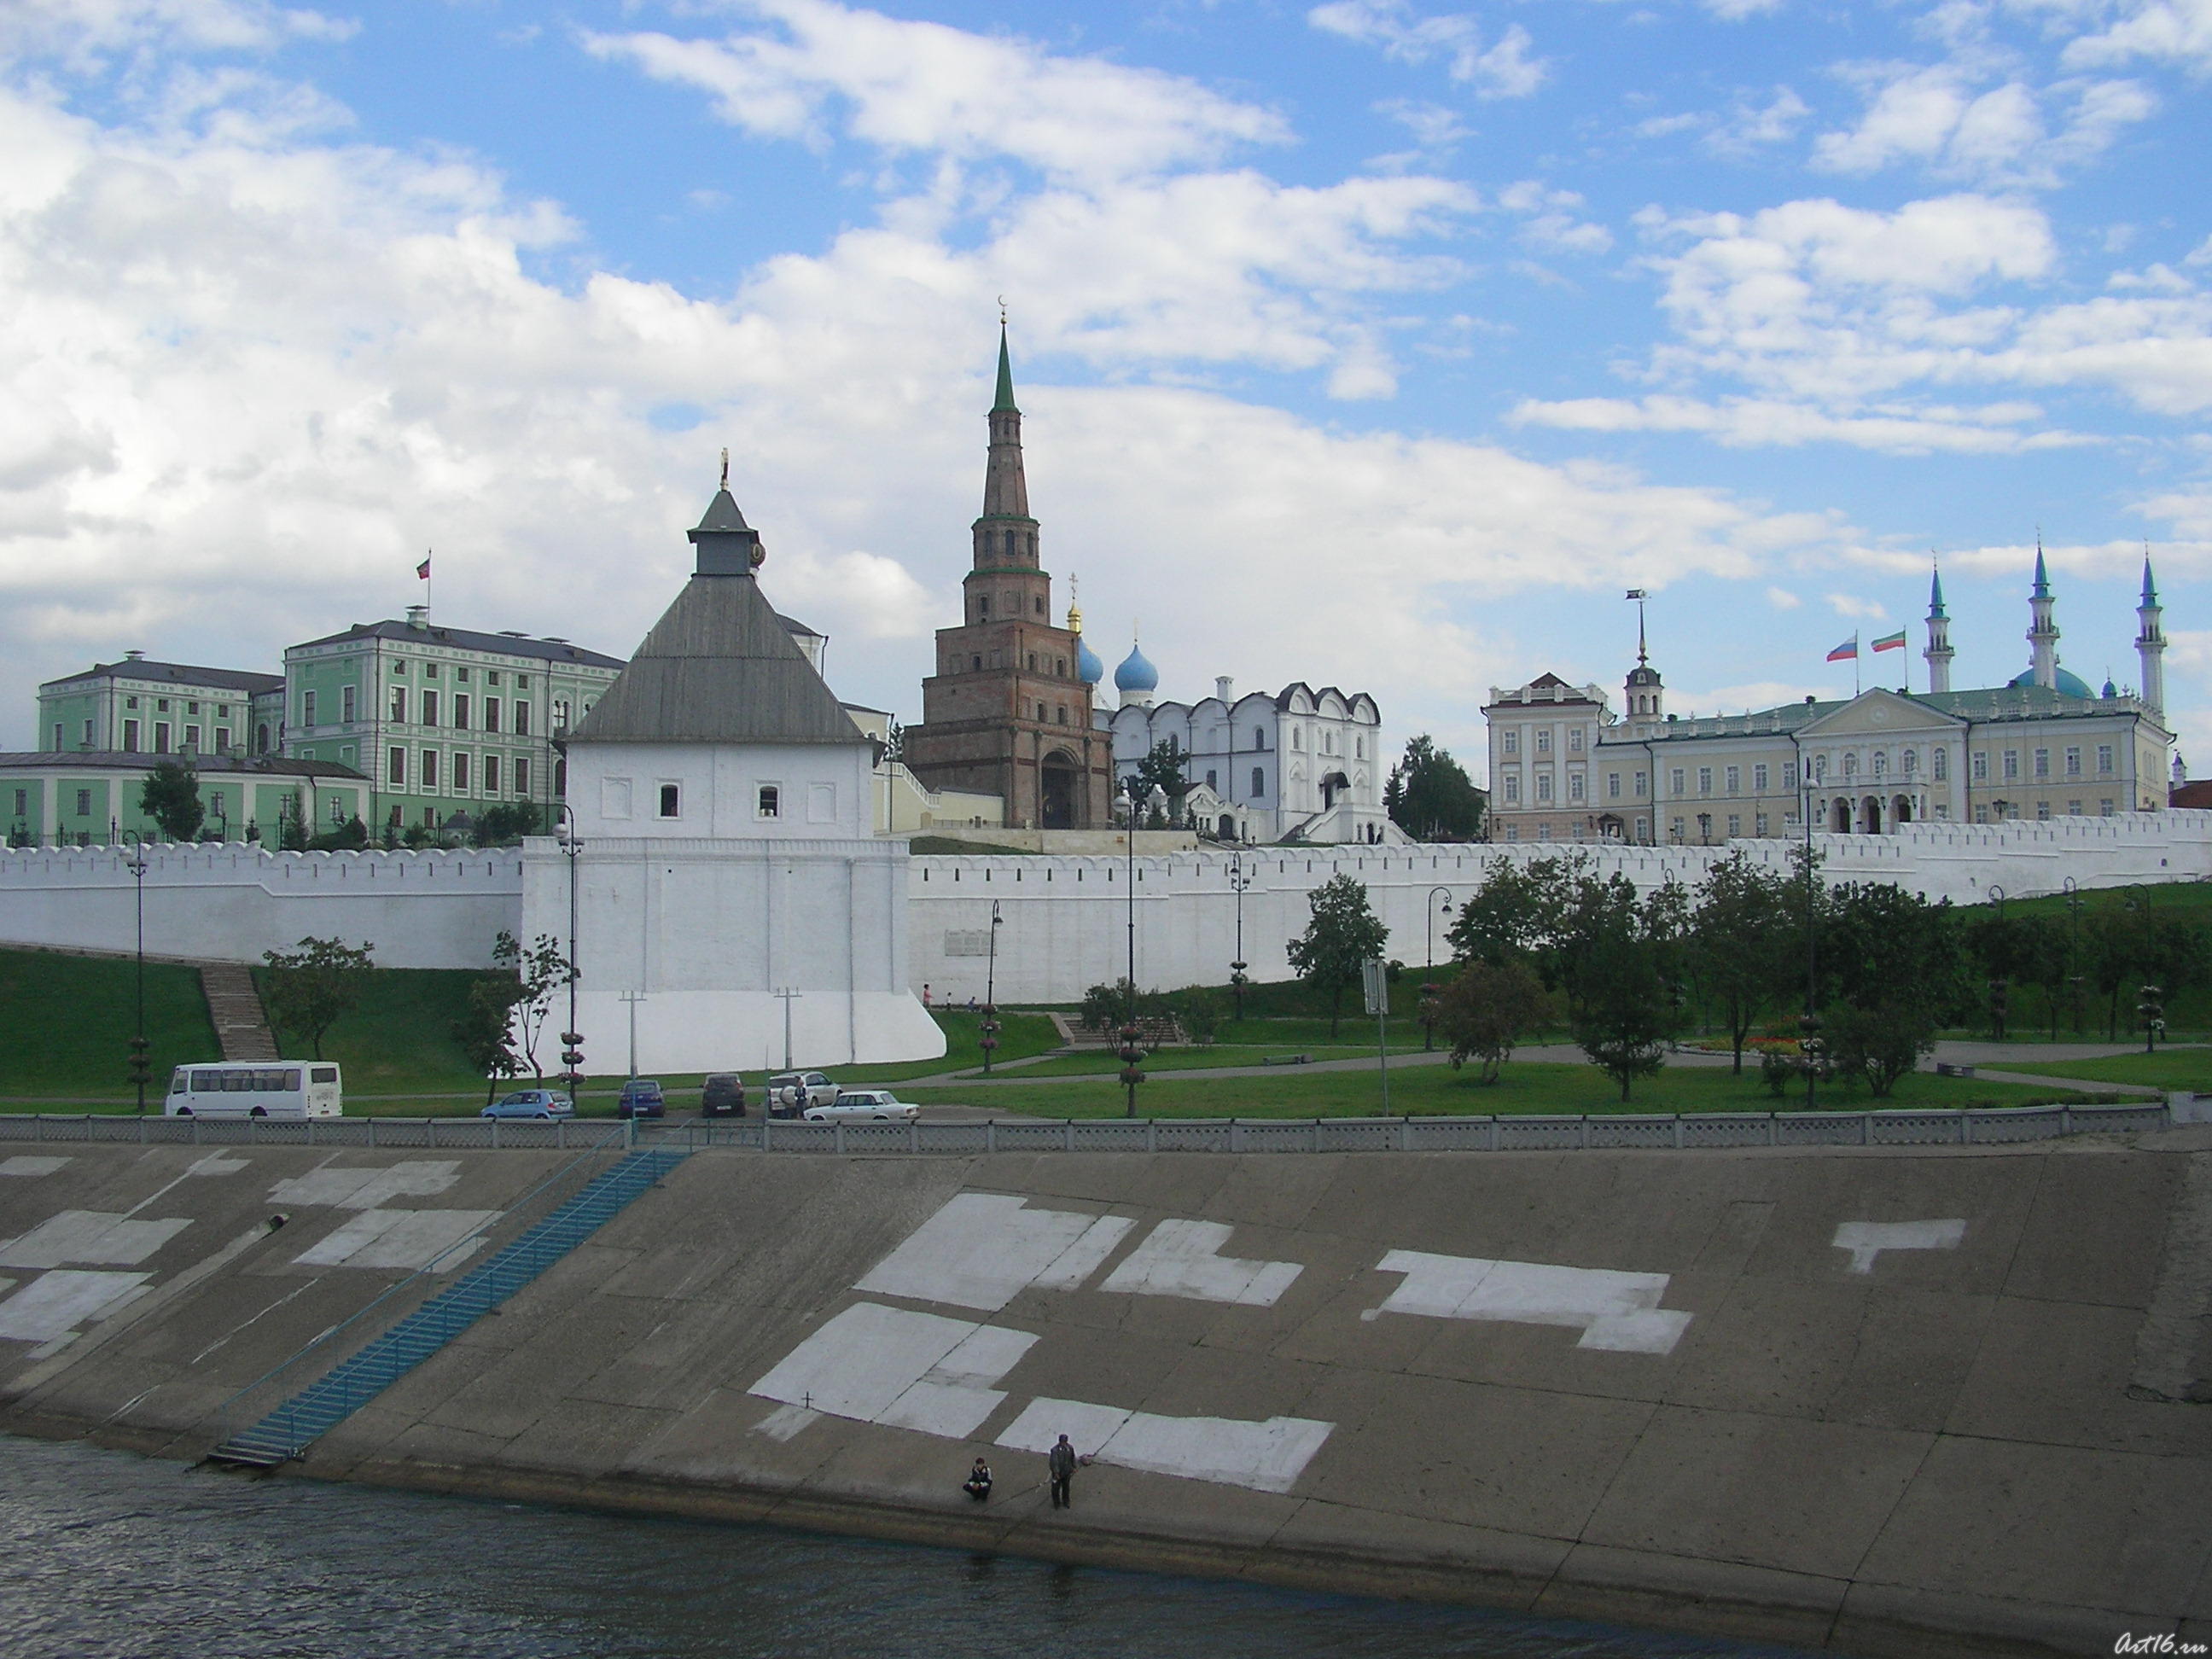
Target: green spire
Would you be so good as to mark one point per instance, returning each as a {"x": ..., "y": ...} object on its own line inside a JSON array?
[{"x": 1004, "y": 402}]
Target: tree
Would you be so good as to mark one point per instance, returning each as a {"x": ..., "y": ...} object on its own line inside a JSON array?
[
  {"x": 1162, "y": 769},
  {"x": 310, "y": 989},
  {"x": 539, "y": 971},
  {"x": 1739, "y": 938},
  {"x": 1344, "y": 933},
  {"x": 1881, "y": 1044},
  {"x": 486, "y": 1028},
  {"x": 1485, "y": 1011},
  {"x": 1622, "y": 1012},
  {"x": 171, "y": 797},
  {"x": 1430, "y": 796},
  {"x": 505, "y": 824}
]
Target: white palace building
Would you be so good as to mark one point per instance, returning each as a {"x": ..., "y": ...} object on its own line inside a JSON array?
[{"x": 1564, "y": 766}]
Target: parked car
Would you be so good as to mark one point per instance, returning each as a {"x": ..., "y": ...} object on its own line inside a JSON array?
[
  {"x": 877, "y": 1103},
  {"x": 722, "y": 1094},
  {"x": 533, "y": 1102},
  {"x": 790, "y": 1093},
  {"x": 641, "y": 1097}
]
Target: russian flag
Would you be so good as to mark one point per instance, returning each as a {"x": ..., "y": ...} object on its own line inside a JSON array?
[
  {"x": 423, "y": 568},
  {"x": 1846, "y": 651},
  {"x": 1891, "y": 641}
]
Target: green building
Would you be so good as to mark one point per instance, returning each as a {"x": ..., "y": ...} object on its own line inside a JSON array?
[
  {"x": 135, "y": 706},
  {"x": 442, "y": 721},
  {"x": 91, "y": 797}
]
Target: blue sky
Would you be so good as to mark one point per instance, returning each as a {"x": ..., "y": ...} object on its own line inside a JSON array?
[{"x": 1366, "y": 341}]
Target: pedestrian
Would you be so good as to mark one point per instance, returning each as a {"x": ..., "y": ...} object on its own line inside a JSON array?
[
  {"x": 1062, "y": 1462},
  {"x": 978, "y": 1482},
  {"x": 925, "y": 993}
]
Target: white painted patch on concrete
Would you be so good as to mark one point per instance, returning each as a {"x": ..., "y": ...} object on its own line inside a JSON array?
[
  {"x": 99, "y": 1238},
  {"x": 1183, "y": 1258},
  {"x": 1866, "y": 1240},
  {"x": 785, "y": 1421},
  {"x": 1618, "y": 1311},
  {"x": 981, "y": 1250},
  {"x": 217, "y": 1163},
  {"x": 368, "y": 1189},
  {"x": 910, "y": 1370},
  {"x": 30, "y": 1166},
  {"x": 51, "y": 1306},
  {"x": 1265, "y": 1457},
  {"x": 399, "y": 1238}
]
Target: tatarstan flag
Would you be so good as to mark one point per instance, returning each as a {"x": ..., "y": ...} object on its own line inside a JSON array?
[{"x": 1891, "y": 641}]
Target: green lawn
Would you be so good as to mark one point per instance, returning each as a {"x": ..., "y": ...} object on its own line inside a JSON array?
[
  {"x": 66, "y": 1021},
  {"x": 1533, "y": 1086},
  {"x": 400, "y": 1041},
  {"x": 2168, "y": 1068}
]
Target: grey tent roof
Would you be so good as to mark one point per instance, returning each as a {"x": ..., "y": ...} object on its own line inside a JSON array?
[{"x": 720, "y": 666}]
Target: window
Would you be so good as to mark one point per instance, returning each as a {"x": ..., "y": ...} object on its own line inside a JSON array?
[
  {"x": 1575, "y": 740},
  {"x": 160, "y": 737},
  {"x": 1735, "y": 825},
  {"x": 1789, "y": 774},
  {"x": 983, "y": 606},
  {"x": 976, "y": 664},
  {"x": 1675, "y": 780},
  {"x": 1639, "y": 785},
  {"x": 22, "y": 802},
  {"x": 2043, "y": 812},
  {"x": 1544, "y": 740},
  {"x": 2073, "y": 809},
  {"x": 130, "y": 702},
  {"x": 462, "y": 675},
  {"x": 492, "y": 714},
  {"x": 1759, "y": 824},
  {"x": 399, "y": 667},
  {"x": 221, "y": 739},
  {"x": 521, "y": 774},
  {"x": 1851, "y": 765},
  {"x": 521, "y": 716},
  {"x": 1938, "y": 762},
  {"x": 346, "y": 697},
  {"x": 1032, "y": 662},
  {"x": 1359, "y": 747},
  {"x": 1981, "y": 767},
  {"x": 1040, "y": 713},
  {"x": 1574, "y": 786},
  {"x": 400, "y": 705},
  {"x": 1543, "y": 786},
  {"x": 191, "y": 708},
  {"x": 1509, "y": 742},
  {"x": 261, "y": 739},
  {"x": 1259, "y": 780},
  {"x": 1512, "y": 789},
  {"x": 1297, "y": 737},
  {"x": 87, "y": 738},
  {"x": 84, "y": 804},
  {"x": 1210, "y": 782},
  {"x": 306, "y": 708},
  {"x": 1259, "y": 740},
  {"x": 396, "y": 767},
  {"x": 430, "y": 708},
  {"x": 1882, "y": 762},
  {"x": 429, "y": 768},
  {"x": 671, "y": 798},
  {"x": 460, "y": 711},
  {"x": 491, "y": 774},
  {"x": 2105, "y": 807},
  {"x": 1759, "y": 780},
  {"x": 160, "y": 705},
  {"x": 1060, "y": 667},
  {"x": 1613, "y": 785},
  {"x": 57, "y": 736},
  {"x": 1705, "y": 780},
  {"x": 1037, "y": 605},
  {"x": 491, "y": 676},
  {"x": 1060, "y": 715},
  {"x": 192, "y": 737},
  {"x": 1910, "y": 762},
  {"x": 429, "y": 670},
  {"x": 2011, "y": 764},
  {"x": 2074, "y": 764},
  {"x": 522, "y": 682},
  {"x": 770, "y": 803},
  {"x": 2042, "y": 763},
  {"x": 1735, "y": 780},
  {"x": 1674, "y": 828}
]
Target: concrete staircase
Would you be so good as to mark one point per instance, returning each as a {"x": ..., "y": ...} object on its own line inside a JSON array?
[{"x": 241, "y": 1023}]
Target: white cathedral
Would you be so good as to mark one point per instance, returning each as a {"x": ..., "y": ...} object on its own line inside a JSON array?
[{"x": 1564, "y": 766}]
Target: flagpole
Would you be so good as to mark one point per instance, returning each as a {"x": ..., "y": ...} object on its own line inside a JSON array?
[{"x": 1855, "y": 665}]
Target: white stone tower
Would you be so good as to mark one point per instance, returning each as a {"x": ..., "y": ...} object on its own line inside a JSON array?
[
  {"x": 2150, "y": 644},
  {"x": 2042, "y": 631},
  {"x": 1938, "y": 653}
]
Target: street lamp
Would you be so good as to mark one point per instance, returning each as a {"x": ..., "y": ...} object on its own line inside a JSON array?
[
  {"x": 2072, "y": 889},
  {"x": 572, "y": 1040},
  {"x": 1998, "y": 893},
  {"x": 989, "y": 1039},
  {"x": 1810, "y": 1041},
  {"x": 1432, "y": 909},
  {"x": 1132, "y": 1048},
  {"x": 137, "y": 868},
  {"x": 1239, "y": 879}
]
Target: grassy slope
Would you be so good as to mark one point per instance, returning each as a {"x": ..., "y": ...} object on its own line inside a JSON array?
[
  {"x": 1533, "y": 1087},
  {"x": 2169, "y": 1068},
  {"x": 65, "y": 1023}
]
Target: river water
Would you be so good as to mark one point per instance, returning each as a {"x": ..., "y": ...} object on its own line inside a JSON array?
[{"x": 109, "y": 1554}]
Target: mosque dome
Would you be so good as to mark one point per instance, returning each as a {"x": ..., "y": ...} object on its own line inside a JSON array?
[
  {"x": 2111, "y": 691},
  {"x": 1088, "y": 668},
  {"x": 2069, "y": 684},
  {"x": 1136, "y": 673}
]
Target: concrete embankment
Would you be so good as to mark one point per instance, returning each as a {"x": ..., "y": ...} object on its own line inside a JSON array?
[{"x": 1893, "y": 1402}]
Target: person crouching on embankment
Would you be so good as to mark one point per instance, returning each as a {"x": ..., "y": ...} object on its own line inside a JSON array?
[{"x": 978, "y": 1482}]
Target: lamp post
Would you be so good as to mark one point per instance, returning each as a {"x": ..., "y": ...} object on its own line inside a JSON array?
[
  {"x": 1432, "y": 909},
  {"x": 136, "y": 843},
  {"x": 1132, "y": 1034},
  {"x": 1811, "y": 1042},
  {"x": 988, "y": 1040},
  {"x": 1239, "y": 879},
  {"x": 2072, "y": 889},
  {"x": 572, "y": 1040},
  {"x": 1998, "y": 893}
]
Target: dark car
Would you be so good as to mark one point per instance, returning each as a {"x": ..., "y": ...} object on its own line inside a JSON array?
[
  {"x": 722, "y": 1094},
  {"x": 641, "y": 1097}
]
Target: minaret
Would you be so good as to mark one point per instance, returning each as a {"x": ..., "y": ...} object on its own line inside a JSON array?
[
  {"x": 1938, "y": 653},
  {"x": 2042, "y": 631},
  {"x": 2150, "y": 643},
  {"x": 1006, "y": 536}
]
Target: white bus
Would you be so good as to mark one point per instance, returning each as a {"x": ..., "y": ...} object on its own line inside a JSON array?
[{"x": 256, "y": 1088}]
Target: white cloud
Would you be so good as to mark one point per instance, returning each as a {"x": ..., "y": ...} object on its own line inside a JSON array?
[
  {"x": 1935, "y": 115},
  {"x": 1503, "y": 69},
  {"x": 925, "y": 88},
  {"x": 84, "y": 33},
  {"x": 1552, "y": 222},
  {"x": 2166, "y": 31},
  {"x": 1758, "y": 423},
  {"x": 1850, "y": 604},
  {"x": 1783, "y": 600}
]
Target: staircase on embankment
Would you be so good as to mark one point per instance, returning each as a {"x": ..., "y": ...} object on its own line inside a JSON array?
[
  {"x": 288, "y": 1431},
  {"x": 241, "y": 1025}
]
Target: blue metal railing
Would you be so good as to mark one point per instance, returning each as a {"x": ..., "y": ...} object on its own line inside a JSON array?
[{"x": 286, "y": 1432}]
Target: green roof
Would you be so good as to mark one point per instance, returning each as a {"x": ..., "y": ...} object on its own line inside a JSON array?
[{"x": 1005, "y": 401}]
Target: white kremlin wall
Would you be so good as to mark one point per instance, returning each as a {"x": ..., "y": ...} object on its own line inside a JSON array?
[{"x": 1065, "y": 919}]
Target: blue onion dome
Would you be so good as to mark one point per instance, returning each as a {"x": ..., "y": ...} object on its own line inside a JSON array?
[
  {"x": 1088, "y": 668},
  {"x": 1136, "y": 673},
  {"x": 2069, "y": 684}
]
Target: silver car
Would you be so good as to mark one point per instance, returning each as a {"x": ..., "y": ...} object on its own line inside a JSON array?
[{"x": 880, "y": 1105}]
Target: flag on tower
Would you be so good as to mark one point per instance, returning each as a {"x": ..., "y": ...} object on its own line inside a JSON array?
[
  {"x": 423, "y": 568},
  {"x": 1891, "y": 641},
  {"x": 1847, "y": 652}
]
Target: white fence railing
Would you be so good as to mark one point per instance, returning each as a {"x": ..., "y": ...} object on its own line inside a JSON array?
[{"x": 1670, "y": 1131}]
